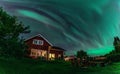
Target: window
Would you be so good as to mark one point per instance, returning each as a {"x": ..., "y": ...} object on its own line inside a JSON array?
[
  {"x": 59, "y": 55},
  {"x": 35, "y": 42},
  {"x": 38, "y": 42},
  {"x": 52, "y": 56},
  {"x": 33, "y": 53}
]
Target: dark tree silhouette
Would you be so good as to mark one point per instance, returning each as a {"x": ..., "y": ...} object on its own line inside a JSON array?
[
  {"x": 114, "y": 55},
  {"x": 81, "y": 54},
  {"x": 10, "y": 30},
  {"x": 116, "y": 44}
]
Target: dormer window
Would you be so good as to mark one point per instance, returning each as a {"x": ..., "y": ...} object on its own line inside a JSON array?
[{"x": 38, "y": 42}]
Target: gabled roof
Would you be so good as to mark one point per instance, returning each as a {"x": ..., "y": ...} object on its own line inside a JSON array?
[
  {"x": 55, "y": 47},
  {"x": 39, "y": 35}
]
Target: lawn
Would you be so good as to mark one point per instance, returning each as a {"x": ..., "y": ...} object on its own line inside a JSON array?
[{"x": 27, "y": 66}]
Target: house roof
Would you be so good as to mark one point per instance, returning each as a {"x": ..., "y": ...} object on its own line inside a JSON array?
[
  {"x": 39, "y": 35},
  {"x": 55, "y": 47}
]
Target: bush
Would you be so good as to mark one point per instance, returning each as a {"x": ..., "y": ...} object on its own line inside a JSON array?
[{"x": 114, "y": 57}]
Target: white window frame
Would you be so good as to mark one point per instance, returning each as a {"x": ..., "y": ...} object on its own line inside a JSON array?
[{"x": 38, "y": 42}]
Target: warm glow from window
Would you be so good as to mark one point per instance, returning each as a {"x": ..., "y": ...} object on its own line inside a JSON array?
[
  {"x": 38, "y": 53},
  {"x": 51, "y": 56},
  {"x": 44, "y": 53}
]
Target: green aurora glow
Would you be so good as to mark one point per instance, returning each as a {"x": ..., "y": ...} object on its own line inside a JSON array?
[{"x": 89, "y": 25}]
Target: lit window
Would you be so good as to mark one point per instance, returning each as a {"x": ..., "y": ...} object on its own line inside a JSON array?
[
  {"x": 52, "y": 56},
  {"x": 38, "y": 42}
]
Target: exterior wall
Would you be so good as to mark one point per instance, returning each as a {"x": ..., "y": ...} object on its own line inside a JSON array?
[
  {"x": 35, "y": 53},
  {"x": 30, "y": 43},
  {"x": 37, "y": 49},
  {"x": 70, "y": 58},
  {"x": 58, "y": 54}
]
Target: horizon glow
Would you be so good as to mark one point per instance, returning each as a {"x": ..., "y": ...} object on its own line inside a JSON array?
[{"x": 74, "y": 25}]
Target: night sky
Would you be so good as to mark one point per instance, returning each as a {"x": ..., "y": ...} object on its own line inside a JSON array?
[{"x": 74, "y": 25}]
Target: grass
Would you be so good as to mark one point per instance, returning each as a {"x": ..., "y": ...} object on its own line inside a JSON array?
[{"x": 28, "y": 66}]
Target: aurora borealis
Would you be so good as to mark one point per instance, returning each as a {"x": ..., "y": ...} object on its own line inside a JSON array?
[{"x": 89, "y": 25}]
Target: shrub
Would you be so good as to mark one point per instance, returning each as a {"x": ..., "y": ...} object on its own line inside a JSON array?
[{"x": 114, "y": 57}]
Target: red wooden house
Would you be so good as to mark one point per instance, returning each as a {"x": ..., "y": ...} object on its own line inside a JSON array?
[{"x": 38, "y": 46}]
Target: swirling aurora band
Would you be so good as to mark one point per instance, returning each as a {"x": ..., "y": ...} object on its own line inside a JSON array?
[{"x": 71, "y": 24}]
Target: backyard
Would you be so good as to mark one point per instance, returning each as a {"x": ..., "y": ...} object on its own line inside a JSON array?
[{"x": 29, "y": 66}]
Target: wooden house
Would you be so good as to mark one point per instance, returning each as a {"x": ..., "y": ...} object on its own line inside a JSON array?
[
  {"x": 38, "y": 46},
  {"x": 70, "y": 58}
]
